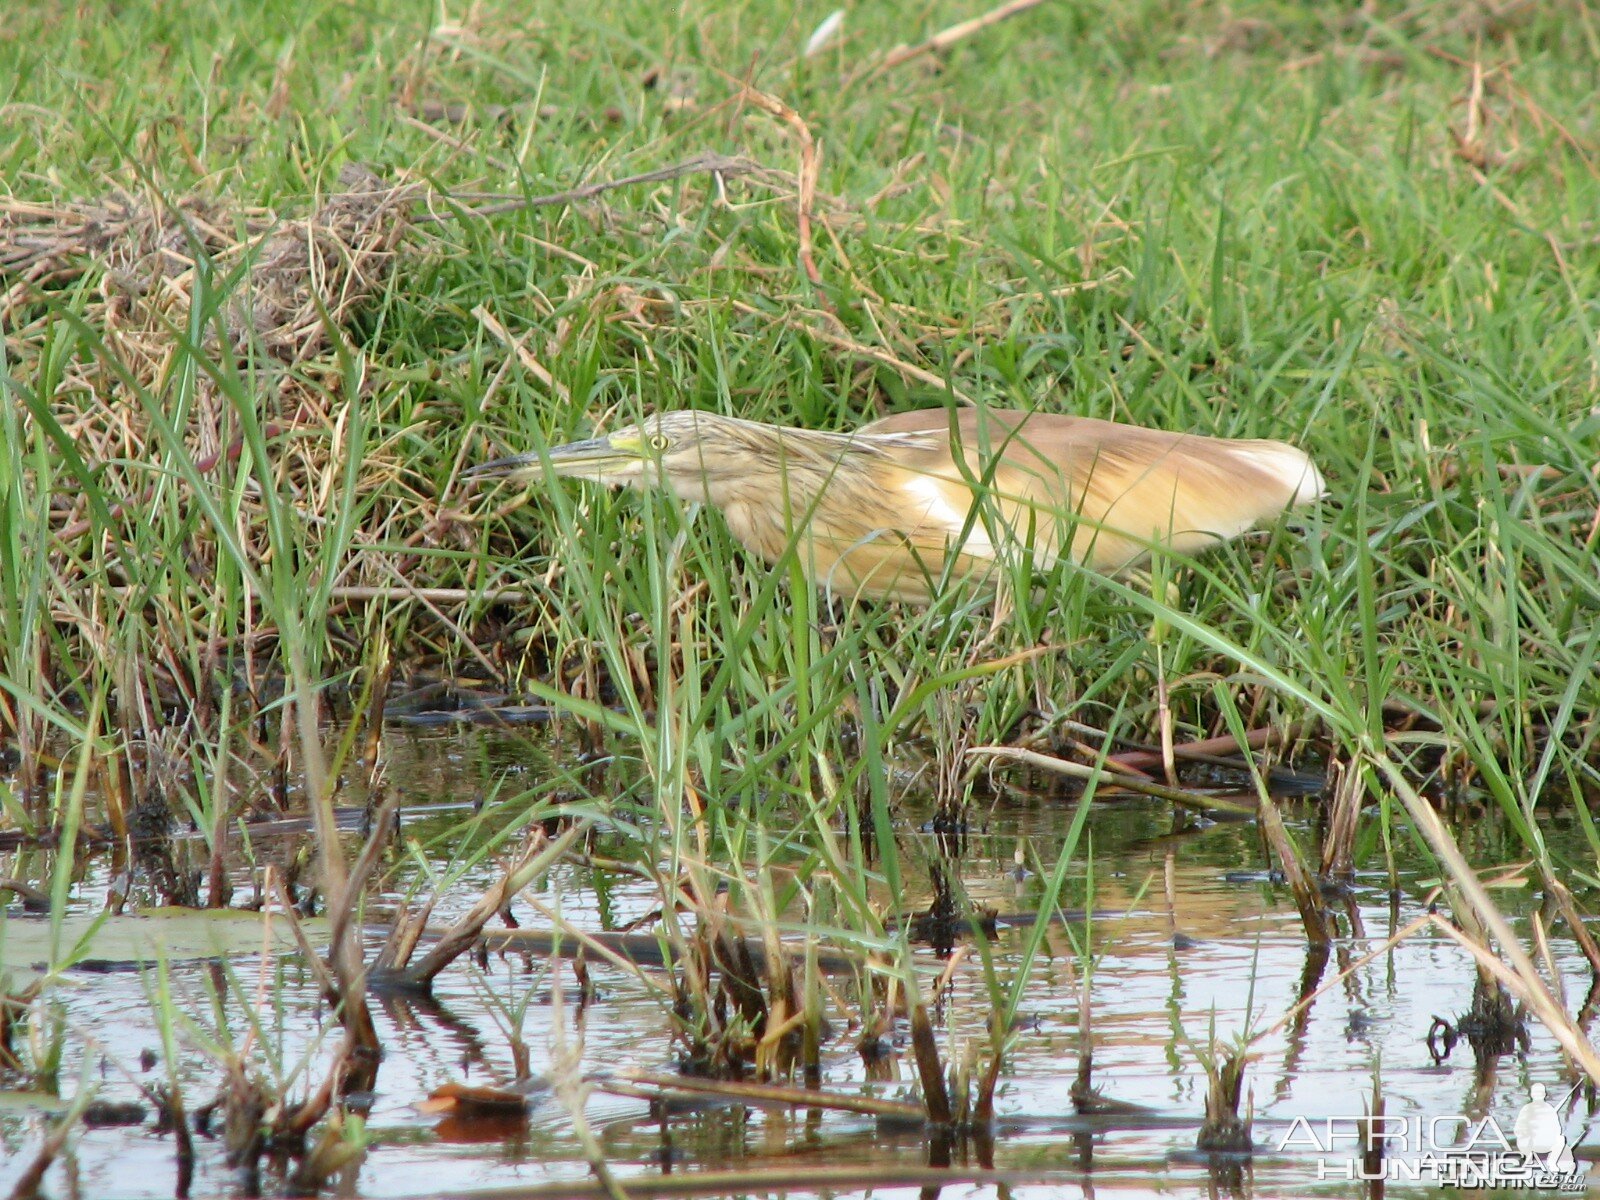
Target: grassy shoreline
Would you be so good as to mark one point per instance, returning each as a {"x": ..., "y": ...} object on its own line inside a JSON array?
[{"x": 1376, "y": 251}]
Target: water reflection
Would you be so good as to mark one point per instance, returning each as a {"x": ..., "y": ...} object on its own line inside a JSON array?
[{"x": 1181, "y": 934}]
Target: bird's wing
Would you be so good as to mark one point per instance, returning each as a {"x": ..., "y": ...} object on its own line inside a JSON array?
[{"x": 1108, "y": 491}]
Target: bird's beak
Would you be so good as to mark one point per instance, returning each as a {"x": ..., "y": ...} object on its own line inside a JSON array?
[{"x": 595, "y": 458}]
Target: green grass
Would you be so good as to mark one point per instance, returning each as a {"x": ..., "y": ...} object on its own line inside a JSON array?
[{"x": 1371, "y": 234}]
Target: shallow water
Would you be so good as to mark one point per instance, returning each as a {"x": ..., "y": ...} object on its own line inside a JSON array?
[{"x": 1189, "y": 936}]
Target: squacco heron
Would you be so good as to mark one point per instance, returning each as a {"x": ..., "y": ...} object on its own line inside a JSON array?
[{"x": 888, "y": 512}]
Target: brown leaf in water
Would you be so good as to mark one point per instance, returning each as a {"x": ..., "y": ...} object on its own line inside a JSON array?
[{"x": 462, "y": 1099}]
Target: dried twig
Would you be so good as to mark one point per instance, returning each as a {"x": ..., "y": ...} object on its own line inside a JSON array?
[
  {"x": 1132, "y": 783},
  {"x": 525, "y": 356},
  {"x": 709, "y": 163},
  {"x": 537, "y": 856},
  {"x": 875, "y": 353},
  {"x": 810, "y": 158},
  {"x": 302, "y": 271},
  {"x": 946, "y": 38},
  {"x": 1521, "y": 977},
  {"x": 653, "y": 1084}
]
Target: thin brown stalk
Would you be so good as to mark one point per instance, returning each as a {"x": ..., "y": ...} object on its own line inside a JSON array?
[
  {"x": 1061, "y": 766},
  {"x": 1344, "y": 818},
  {"x": 1531, "y": 991},
  {"x": 930, "y": 1071},
  {"x": 27, "y": 1185},
  {"x": 763, "y": 1094},
  {"x": 810, "y": 164},
  {"x": 1568, "y": 908},
  {"x": 1085, "y": 1096},
  {"x": 346, "y": 960},
  {"x": 960, "y": 31},
  {"x": 217, "y": 889},
  {"x": 1307, "y": 896},
  {"x": 13, "y": 1007},
  {"x": 1372, "y": 1147},
  {"x": 538, "y": 855},
  {"x": 404, "y": 935},
  {"x": 708, "y": 163},
  {"x": 988, "y": 1083},
  {"x": 376, "y": 703},
  {"x": 572, "y": 1089},
  {"x": 308, "y": 952},
  {"x": 361, "y": 870},
  {"x": 1256, "y": 739},
  {"x": 1169, "y": 761},
  {"x": 1541, "y": 943},
  {"x": 1522, "y": 977},
  {"x": 357, "y": 1064}
]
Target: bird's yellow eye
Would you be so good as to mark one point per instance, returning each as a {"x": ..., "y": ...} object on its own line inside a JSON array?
[{"x": 658, "y": 441}]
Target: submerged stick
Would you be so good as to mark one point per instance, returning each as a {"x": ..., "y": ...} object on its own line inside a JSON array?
[
  {"x": 1132, "y": 783},
  {"x": 762, "y": 1093},
  {"x": 1207, "y": 748},
  {"x": 539, "y": 856}
]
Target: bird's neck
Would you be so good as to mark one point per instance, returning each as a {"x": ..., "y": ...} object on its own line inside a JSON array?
[{"x": 764, "y": 508}]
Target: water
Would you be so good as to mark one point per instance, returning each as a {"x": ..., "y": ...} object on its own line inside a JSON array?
[{"x": 1188, "y": 938}]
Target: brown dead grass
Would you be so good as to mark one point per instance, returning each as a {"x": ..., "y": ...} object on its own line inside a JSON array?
[
  {"x": 290, "y": 285},
  {"x": 147, "y": 249}
]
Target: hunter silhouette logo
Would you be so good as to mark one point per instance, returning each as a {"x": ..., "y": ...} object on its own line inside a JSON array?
[
  {"x": 1539, "y": 1135},
  {"x": 1530, "y": 1153}
]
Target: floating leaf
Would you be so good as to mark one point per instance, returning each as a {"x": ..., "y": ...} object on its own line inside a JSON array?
[{"x": 464, "y": 1100}]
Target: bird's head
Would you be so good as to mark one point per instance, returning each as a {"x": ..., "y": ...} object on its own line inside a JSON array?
[{"x": 697, "y": 454}]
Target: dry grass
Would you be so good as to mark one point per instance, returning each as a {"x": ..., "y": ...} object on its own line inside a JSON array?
[{"x": 304, "y": 275}]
